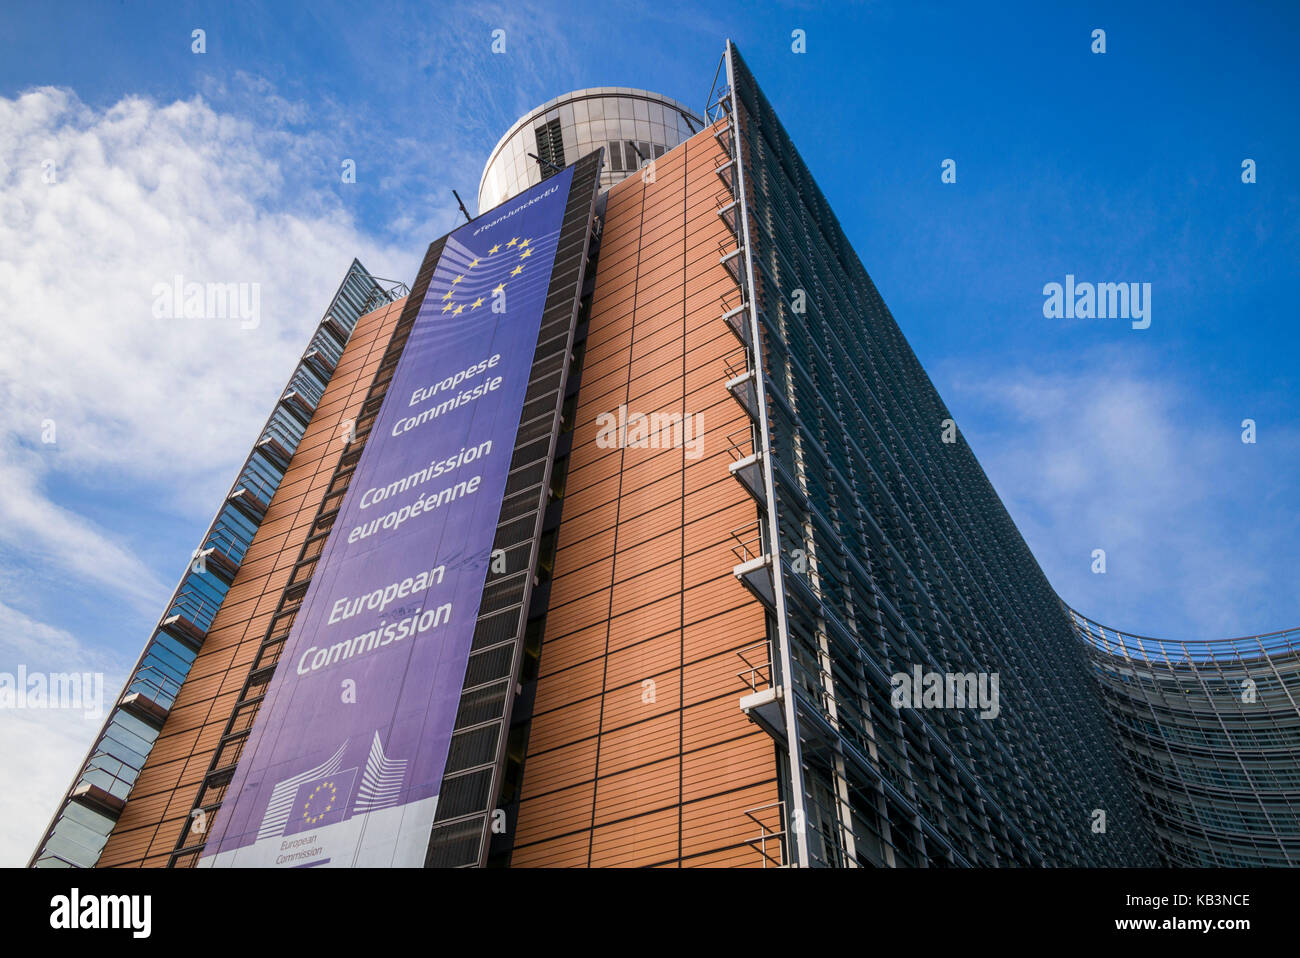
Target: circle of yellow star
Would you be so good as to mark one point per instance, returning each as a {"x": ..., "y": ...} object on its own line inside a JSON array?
[{"x": 329, "y": 804}]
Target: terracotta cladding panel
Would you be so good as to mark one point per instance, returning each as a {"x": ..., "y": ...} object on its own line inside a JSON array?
[
  {"x": 639, "y": 591},
  {"x": 652, "y": 740},
  {"x": 644, "y": 840},
  {"x": 164, "y": 839},
  {"x": 656, "y": 369},
  {"x": 713, "y": 466},
  {"x": 596, "y": 548},
  {"x": 564, "y": 725},
  {"x": 590, "y": 464},
  {"x": 556, "y": 813},
  {"x": 165, "y": 790},
  {"x": 639, "y": 790},
  {"x": 638, "y": 683},
  {"x": 720, "y": 768},
  {"x": 646, "y": 525},
  {"x": 715, "y": 720},
  {"x": 596, "y": 521},
  {"x": 654, "y": 470},
  {"x": 653, "y": 489},
  {"x": 583, "y": 498},
  {"x": 608, "y": 359},
  {"x": 619, "y": 319},
  {"x": 127, "y": 845},
  {"x": 569, "y": 851},
  {"x": 652, "y": 696},
  {"x": 572, "y": 685},
  {"x": 580, "y": 613},
  {"x": 666, "y": 400},
  {"x": 719, "y": 822},
  {"x": 563, "y": 767},
  {"x": 659, "y": 359},
  {"x": 573, "y": 649},
  {"x": 740, "y": 856},
  {"x": 163, "y": 775},
  {"x": 654, "y": 619},
  {"x": 583, "y": 582},
  {"x": 658, "y": 552},
  {"x": 656, "y": 652}
]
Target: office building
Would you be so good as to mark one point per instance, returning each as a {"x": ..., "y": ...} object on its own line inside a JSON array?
[{"x": 618, "y": 540}]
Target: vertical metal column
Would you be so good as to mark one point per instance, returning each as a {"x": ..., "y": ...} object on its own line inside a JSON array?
[{"x": 797, "y": 811}]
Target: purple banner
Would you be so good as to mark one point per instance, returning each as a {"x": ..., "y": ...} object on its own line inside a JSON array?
[{"x": 346, "y": 756}]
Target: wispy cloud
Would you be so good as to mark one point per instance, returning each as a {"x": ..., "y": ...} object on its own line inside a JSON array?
[
  {"x": 114, "y": 421},
  {"x": 99, "y": 208},
  {"x": 1105, "y": 452},
  {"x": 43, "y": 748}
]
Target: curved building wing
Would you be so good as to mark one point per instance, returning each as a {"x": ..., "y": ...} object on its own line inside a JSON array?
[{"x": 1211, "y": 734}]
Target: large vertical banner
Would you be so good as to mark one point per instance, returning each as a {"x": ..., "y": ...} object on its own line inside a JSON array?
[{"x": 344, "y": 761}]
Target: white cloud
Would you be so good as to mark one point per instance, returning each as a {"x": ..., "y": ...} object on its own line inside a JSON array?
[
  {"x": 1109, "y": 454},
  {"x": 43, "y": 749},
  {"x": 142, "y": 193},
  {"x": 158, "y": 413}
]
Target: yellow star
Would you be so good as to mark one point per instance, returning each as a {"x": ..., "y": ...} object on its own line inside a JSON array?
[
  {"x": 457, "y": 280},
  {"x": 516, "y": 271},
  {"x": 525, "y": 254},
  {"x": 513, "y": 241},
  {"x": 448, "y": 306},
  {"x": 500, "y": 289},
  {"x": 473, "y": 263},
  {"x": 447, "y": 295},
  {"x": 524, "y": 243},
  {"x": 458, "y": 310},
  {"x": 477, "y": 303},
  {"x": 494, "y": 249}
]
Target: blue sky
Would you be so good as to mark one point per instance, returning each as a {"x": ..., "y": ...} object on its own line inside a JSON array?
[{"x": 1124, "y": 166}]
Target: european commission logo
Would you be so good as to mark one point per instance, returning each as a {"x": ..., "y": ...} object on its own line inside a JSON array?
[
  {"x": 321, "y": 802},
  {"x": 323, "y": 795}
]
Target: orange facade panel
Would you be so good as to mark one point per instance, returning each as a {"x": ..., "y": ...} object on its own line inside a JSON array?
[
  {"x": 638, "y": 754},
  {"x": 164, "y": 793}
]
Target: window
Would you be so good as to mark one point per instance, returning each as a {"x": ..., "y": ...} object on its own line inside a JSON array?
[{"x": 550, "y": 148}]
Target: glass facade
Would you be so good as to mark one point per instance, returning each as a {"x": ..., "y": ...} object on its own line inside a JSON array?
[
  {"x": 1211, "y": 734},
  {"x": 633, "y": 126},
  {"x": 883, "y": 550}
]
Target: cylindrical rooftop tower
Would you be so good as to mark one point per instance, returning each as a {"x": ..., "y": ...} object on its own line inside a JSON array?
[{"x": 634, "y": 126}]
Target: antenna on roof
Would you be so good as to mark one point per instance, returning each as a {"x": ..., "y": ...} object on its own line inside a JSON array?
[
  {"x": 553, "y": 167},
  {"x": 468, "y": 218}
]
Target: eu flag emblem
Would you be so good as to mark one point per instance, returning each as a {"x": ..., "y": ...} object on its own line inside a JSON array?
[{"x": 321, "y": 801}]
